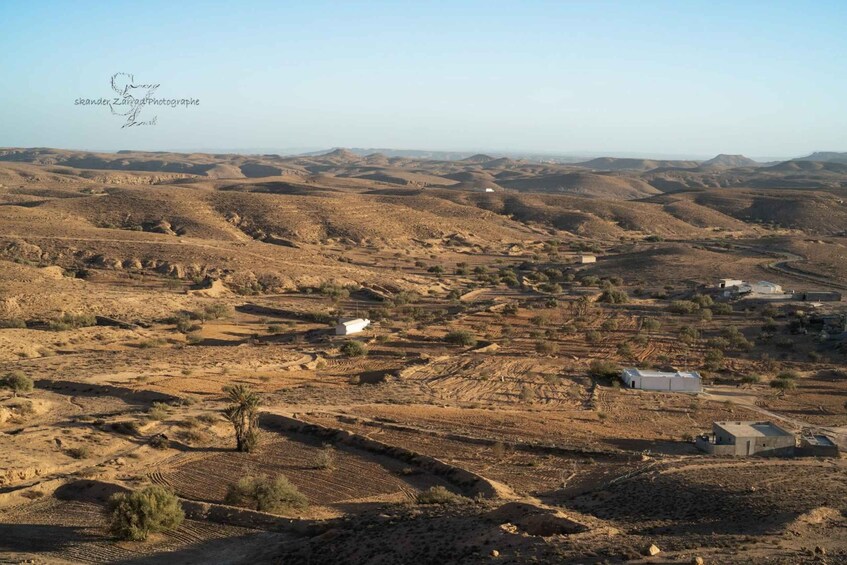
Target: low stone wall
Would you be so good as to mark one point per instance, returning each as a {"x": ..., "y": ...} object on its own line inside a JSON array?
[{"x": 468, "y": 481}]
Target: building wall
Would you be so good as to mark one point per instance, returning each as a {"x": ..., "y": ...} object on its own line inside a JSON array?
[
  {"x": 674, "y": 384},
  {"x": 341, "y": 329},
  {"x": 821, "y": 296},
  {"x": 772, "y": 445}
]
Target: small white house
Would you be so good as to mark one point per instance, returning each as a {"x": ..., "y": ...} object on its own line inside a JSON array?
[
  {"x": 586, "y": 258},
  {"x": 680, "y": 381},
  {"x": 729, "y": 283},
  {"x": 489, "y": 190},
  {"x": 347, "y": 327}
]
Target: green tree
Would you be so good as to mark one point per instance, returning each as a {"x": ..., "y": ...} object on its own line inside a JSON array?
[{"x": 243, "y": 414}]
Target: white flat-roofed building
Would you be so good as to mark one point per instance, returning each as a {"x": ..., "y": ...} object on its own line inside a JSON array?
[
  {"x": 680, "y": 381},
  {"x": 586, "y": 258},
  {"x": 354, "y": 326},
  {"x": 729, "y": 283}
]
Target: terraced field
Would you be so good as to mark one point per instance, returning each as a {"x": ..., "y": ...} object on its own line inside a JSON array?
[{"x": 356, "y": 478}]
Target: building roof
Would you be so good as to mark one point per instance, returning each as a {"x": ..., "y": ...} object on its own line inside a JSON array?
[
  {"x": 819, "y": 440},
  {"x": 353, "y": 322},
  {"x": 752, "y": 429},
  {"x": 632, "y": 371}
]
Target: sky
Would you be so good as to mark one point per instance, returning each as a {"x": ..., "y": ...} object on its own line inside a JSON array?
[{"x": 687, "y": 79}]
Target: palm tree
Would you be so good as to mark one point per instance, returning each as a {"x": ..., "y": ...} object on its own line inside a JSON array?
[{"x": 243, "y": 413}]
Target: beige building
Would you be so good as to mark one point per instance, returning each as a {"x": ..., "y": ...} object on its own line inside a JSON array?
[{"x": 747, "y": 438}]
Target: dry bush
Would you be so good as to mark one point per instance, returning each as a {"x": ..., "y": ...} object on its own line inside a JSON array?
[
  {"x": 266, "y": 494},
  {"x": 81, "y": 452},
  {"x": 127, "y": 427},
  {"x": 440, "y": 495},
  {"x": 325, "y": 458},
  {"x": 158, "y": 411}
]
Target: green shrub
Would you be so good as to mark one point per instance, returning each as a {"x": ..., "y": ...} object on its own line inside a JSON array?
[
  {"x": 186, "y": 326},
  {"x": 609, "y": 325},
  {"x": 12, "y": 323},
  {"x": 17, "y": 382},
  {"x": 325, "y": 458},
  {"x": 138, "y": 514},
  {"x": 593, "y": 337},
  {"x": 714, "y": 359},
  {"x": 751, "y": 379},
  {"x": 194, "y": 338},
  {"x": 603, "y": 368},
  {"x": 126, "y": 427},
  {"x": 546, "y": 347},
  {"x": 614, "y": 296},
  {"x": 689, "y": 334},
  {"x": 158, "y": 411},
  {"x": 702, "y": 301},
  {"x": 354, "y": 349},
  {"x": 651, "y": 324},
  {"x": 683, "y": 307},
  {"x": 78, "y": 452},
  {"x": 783, "y": 385},
  {"x": 722, "y": 308},
  {"x": 266, "y": 494},
  {"x": 440, "y": 495},
  {"x": 460, "y": 337},
  {"x": 159, "y": 441},
  {"x": 71, "y": 321}
]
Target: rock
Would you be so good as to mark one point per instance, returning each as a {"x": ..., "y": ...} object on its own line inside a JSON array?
[
  {"x": 535, "y": 520},
  {"x": 495, "y": 553},
  {"x": 698, "y": 561},
  {"x": 819, "y": 550},
  {"x": 652, "y": 550}
]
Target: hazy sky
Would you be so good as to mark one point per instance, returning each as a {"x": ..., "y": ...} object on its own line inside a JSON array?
[{"x": 681, "y": 77}]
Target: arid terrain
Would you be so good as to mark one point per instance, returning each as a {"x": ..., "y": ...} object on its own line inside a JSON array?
[{"x": 135, "y": 286}]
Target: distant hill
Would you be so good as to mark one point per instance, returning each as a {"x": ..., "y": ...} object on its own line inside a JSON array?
[
  {"x": 585, "y": 184},
  {"x": 724, "y": 161},
  {"x": 807, "y": 165},
  {"x": 825, "y": 156},
  {"x": 619, "y": 164},
  {"x": 478, "y": 158}
]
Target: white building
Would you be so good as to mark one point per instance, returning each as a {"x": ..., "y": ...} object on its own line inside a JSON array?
[
  {"x": 489, "y": 190},
  {"x": 586, "y": 258},
  {"x": 765, "y": 287},
  {"x": 347, "y": 327},
  {"x": 680, "y": 381},
  {"x": 729, "y": 283}
]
